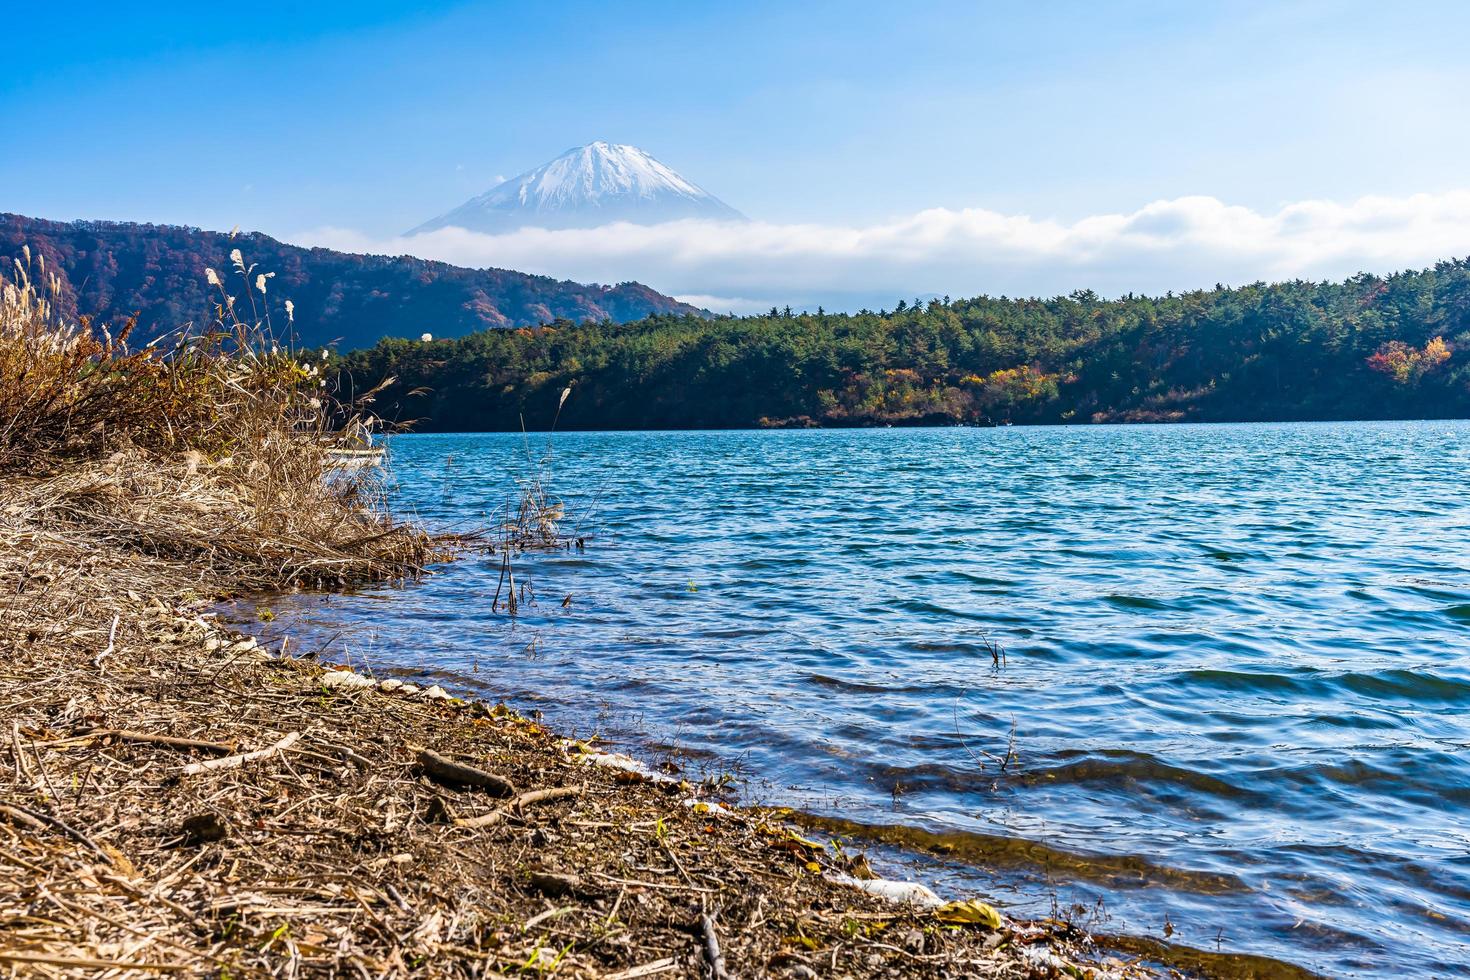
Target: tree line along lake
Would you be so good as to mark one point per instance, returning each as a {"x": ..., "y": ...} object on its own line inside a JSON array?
[{"x": 1207, "y": 681}]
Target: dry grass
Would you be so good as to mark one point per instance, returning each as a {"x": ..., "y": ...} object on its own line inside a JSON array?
[
  {"x": 212, "y": 447},
  {"x": 70, "y": 391},
  {"x": 536, "y": 519}
]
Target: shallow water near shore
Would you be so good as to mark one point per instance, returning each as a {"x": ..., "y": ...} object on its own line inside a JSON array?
[{"x": 1234, "y": 694}]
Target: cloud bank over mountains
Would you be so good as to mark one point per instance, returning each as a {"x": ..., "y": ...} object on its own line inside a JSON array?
[{"x": 1178, "y": 244}]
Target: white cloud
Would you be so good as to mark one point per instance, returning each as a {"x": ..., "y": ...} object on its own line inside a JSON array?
[
  {"x": 1174, "y": 244},
  {"x": 724, "y": 304}
]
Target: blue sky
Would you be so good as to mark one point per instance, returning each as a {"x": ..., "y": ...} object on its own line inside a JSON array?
[{"x": 367, "y": 118}]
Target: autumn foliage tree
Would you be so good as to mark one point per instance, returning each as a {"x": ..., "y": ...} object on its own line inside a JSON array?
[{"x": 1405, "y": 363}]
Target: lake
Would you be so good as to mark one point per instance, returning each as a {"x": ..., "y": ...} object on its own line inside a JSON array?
[{"x": 1212, "y": 679}]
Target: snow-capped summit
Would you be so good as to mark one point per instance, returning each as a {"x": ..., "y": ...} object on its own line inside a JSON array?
[{"x": 587, "y": 186}]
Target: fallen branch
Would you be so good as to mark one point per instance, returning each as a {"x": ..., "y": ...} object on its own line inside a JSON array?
[
  {"x": 646, "y": 970},
  {"x": 29, "y": 817},
  {"x": 22, "y": 768},
  {"x": 236, "y": 761},
  {"x": 111, "y": 644},
  {"x": 149, "y": 739},
  {"x": 346, "y": 753},
  {"x": 712, "y": 948},
  {"x": 459, "y": 773},
  {"x": 515, "y": 805}
]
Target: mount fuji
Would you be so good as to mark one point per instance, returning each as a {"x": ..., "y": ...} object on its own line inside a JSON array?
[{"x": 585, "y": 187}]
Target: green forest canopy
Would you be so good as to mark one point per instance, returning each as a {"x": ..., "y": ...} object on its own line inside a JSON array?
[{"x": 1368, "y": 347}]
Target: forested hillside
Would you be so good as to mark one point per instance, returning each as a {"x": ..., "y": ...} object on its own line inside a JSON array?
[
  {"x": 112, "y": 270},
  {"x": 1369, "y": 347}
]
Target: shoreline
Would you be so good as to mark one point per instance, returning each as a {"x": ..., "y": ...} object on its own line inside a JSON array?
[
  {"x": 180, "y": 801},
  {"x": 430, "y": 430},
  {"x": 231, "y": 813},
  {"x": 906, "y": 844}
]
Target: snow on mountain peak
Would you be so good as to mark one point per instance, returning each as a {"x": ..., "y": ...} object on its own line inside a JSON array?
[{"x": 585, "y": 187}]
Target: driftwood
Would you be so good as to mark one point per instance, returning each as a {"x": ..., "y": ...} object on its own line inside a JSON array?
[
  {"x": 712, "y": 948},
  {"x": 124, "y": 735},
  {"x": 111, "y": 644},
  {"x": 461, "y": 774},
  {"x": 646, "y": 970},
  {"x": 236, "y": 761},
  {"x": 515, "y": 805}
]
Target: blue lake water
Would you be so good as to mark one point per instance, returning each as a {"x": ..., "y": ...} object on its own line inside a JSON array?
[{"x": 1235, "y": 657}]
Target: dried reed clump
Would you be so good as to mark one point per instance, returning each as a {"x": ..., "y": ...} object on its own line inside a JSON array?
[
  {"x": 535, "y": 520},
  {"x": 215, "y": 448}
]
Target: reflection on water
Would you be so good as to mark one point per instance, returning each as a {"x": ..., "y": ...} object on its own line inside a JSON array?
[{"x": 1234, "y": 676}]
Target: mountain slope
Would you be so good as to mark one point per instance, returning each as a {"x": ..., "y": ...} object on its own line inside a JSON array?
[
  {"x": 585, "y": 187},
  {"x": 112, "y": 270}
]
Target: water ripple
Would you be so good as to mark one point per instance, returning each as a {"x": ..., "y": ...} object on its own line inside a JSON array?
[{"x": 1216, "y": 673}]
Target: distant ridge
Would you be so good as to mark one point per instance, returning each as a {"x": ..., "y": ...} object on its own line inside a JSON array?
[
  {"x": 112, "y": 270},
  {"x": 585, "y": 187}
]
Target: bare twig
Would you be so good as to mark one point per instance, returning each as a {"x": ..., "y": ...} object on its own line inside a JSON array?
[
  {"x": 236, "y": 761},
  {"x": 712, "y": 948},
  {"x": 646, "y": 970},
  {"x": 515, "y": 805},
  {"x": 111, "y": 644}
]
